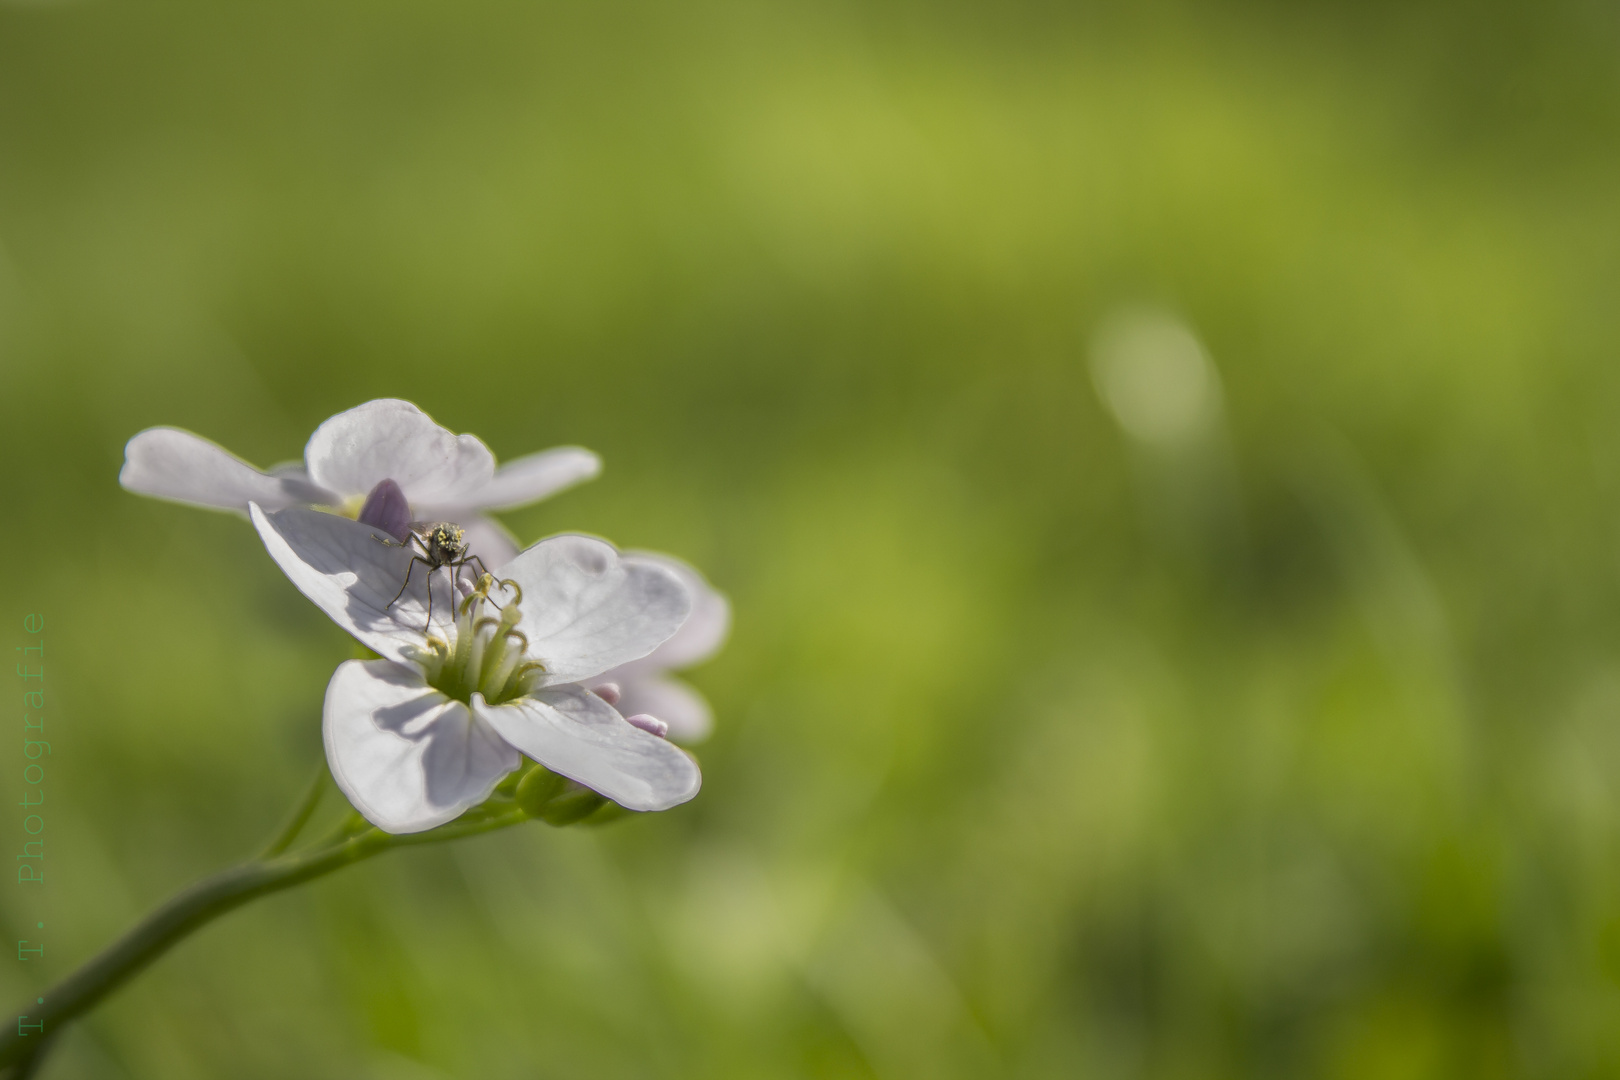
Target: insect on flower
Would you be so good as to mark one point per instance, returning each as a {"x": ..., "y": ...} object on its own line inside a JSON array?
[{"x": 441, "y": 543}]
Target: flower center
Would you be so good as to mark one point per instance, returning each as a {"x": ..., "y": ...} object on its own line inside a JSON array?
[{"x": 487, "y": 652}]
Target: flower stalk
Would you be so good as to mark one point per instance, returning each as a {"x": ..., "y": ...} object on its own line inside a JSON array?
[{"x": 354, "y": 840}]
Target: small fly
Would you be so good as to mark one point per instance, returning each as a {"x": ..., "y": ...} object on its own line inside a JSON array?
[{"x": 433, "y": 544}]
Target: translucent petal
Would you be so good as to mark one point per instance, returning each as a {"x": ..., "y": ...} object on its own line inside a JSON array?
[
  {"x": 699, "y": 637},
  {"x": 579, "y": 735},
  {"x": 406, "y": 756},
  {"x": 354, "y": 577},
  {"x": 527, "y": 479},
  {"x": 173, "y": 464},
  {"x": 587, "y": 609},
  {"x": 393, "y": 439}
]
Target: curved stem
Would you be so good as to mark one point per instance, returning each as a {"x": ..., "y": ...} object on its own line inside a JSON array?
[
  {"x": 199, "y": 905},
  {"x": 301, "y": 813}
]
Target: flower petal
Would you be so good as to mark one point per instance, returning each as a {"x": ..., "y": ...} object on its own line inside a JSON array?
[
  {"x": 393, "y": 439},
  {"x": 529, "y": 479},
  {"x": 684, "y": 709},
  {"x": 407, "y": 757},
  {"x": 587, "y": 609},
  {"x": 386, "y": 509},
  {"x": 177, "y": 465},
  {"x": 579, "y": 735},
  {"x": 488, "y": 539},
  {"x": 353, "y": 576},
  {"x": 699, "y": 637}
]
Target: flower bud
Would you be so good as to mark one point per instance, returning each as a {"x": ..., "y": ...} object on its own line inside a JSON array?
[
  {"x": 648, "y": 723},
  {"x": 555, "y": 799}
]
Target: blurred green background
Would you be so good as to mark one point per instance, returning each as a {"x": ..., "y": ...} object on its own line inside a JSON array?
[{"x": 1163, "y": 458}]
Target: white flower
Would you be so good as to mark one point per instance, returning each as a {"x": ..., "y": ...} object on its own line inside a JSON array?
[
  {"x": 643, "y": 686},
  {"x": 419, "y": 736},
  {"x": 444, "y": 476}
]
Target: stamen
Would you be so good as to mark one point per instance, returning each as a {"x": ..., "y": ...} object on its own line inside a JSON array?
[
  {"x": 488, "y": 655},
  {"x": 519, "y": 682},
  {"x": 496, "y": 672},
  {"x": 464, "y": 641},
  {"x": 477, "y": 650},
  {"x": 479, "y": 591}
]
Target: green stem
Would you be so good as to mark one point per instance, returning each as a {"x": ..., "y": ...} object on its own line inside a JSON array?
[
  {"x": 199, "y": 905},
  {"x": 301, "y": 813}
]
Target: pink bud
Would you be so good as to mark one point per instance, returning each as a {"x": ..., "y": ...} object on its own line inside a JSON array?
[
  {"x": 608, "y": 692},
  {"x": 649, "y": 723}
]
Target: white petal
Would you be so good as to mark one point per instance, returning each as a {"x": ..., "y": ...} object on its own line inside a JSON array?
[
  {"x": 389, "y": 439},
  {"x": 587, "y": 609},
  {"x": 529, "y": 479},
  {"x": 699, "y": 637},
  {"x": 580, "y": 736},
  {"x": 685, "y": 711},
  {"x": 407, "y": 757},
  {"x": 174, "y": 464},
  {"x": 353, "y": 577},
  {"x": 488, "y": 539}
]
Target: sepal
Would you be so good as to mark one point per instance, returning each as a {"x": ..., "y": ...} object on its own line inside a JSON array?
[{"x": 555, "y": 799}]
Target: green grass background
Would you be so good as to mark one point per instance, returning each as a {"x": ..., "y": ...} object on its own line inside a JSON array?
[{"x": 1037, "y": 756}]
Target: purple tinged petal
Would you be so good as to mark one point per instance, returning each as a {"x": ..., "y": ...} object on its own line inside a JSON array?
[{"x": 386, "y": 509}]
